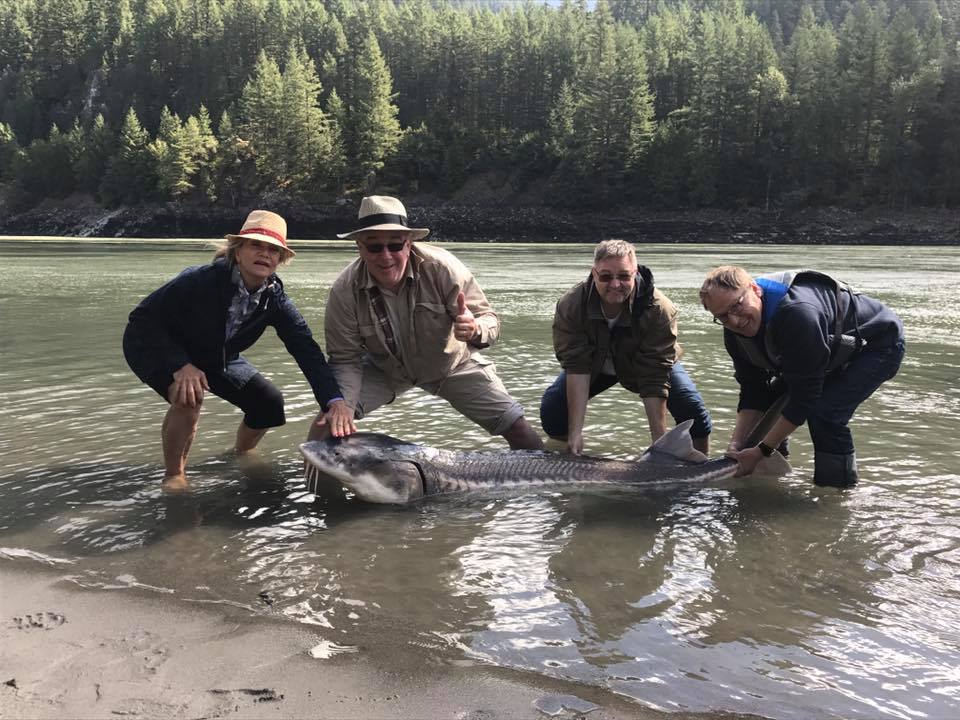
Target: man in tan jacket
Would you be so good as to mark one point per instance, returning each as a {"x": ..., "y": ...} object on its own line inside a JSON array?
[{"x": 404, "y": 314}]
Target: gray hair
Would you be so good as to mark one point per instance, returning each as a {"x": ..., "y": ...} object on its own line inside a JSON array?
[
  {"x": 614, "y": 248},
  {"x": 228, "y": 249}
]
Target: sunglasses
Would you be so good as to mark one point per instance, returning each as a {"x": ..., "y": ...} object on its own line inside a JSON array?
[
  {"x": 606, "y": 277},
  {"x": 377, "y": 248}
]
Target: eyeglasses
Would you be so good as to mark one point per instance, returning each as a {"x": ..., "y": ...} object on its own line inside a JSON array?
[
  {"x": 735, "y": 309},
  {"x": 623, "y": 277},
  {"x": 377, "y": 248}
]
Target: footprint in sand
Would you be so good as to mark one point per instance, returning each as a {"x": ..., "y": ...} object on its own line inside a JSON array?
[{"x": 39, "y": 621}]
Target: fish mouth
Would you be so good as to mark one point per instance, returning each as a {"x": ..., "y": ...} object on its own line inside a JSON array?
[{"x": 322, "y": 473}]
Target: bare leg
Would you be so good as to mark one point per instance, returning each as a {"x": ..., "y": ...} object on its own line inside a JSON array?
[
  {"x": 247, "y": 438},
  {"x": 178, "y": 430},
  {"x": 702, "y": 444},
  {"x": 521, "y": 436}
]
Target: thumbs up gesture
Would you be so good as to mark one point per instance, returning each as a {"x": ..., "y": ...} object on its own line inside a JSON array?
[{"x": 465, "y": 326}]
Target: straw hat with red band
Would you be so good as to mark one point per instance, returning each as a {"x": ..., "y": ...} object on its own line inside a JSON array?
[
  {"x": 267, "y": 227},
  {"x": 381, "y": 212}
]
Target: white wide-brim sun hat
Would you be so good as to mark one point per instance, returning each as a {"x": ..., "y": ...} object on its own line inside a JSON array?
[{"x": 381, "y": 212}]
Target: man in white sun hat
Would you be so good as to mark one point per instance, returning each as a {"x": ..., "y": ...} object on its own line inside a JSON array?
[
  {"x": 406, "y": 314},
  {"x": 185, "y": 339}
]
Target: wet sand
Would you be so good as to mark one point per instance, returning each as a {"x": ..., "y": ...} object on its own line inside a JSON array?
[{"x": 72, "y": 652}]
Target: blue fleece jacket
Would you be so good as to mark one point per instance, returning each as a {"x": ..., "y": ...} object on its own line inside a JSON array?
[{"x": 802, "y": 321}]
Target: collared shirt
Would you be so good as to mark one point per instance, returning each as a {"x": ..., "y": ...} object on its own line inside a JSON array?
[
  {"x": 243, "y": 304},
  {"x": 398, "y": 304}
]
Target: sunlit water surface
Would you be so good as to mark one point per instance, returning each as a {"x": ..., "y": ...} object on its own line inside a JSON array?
[{"x": 770, "y": 597}]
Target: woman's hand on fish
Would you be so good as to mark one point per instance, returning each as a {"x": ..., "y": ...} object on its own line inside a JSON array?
[{"x": 339, "y": 418}]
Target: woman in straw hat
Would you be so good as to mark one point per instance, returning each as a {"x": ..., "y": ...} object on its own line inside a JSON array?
[{"x": 185, "y": 339}]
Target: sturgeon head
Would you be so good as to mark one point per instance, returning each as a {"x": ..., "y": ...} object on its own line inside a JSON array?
[{"x": 376, "y": 467}]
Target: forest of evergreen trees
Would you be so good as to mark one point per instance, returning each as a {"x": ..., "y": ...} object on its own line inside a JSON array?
[{"x": 653, "y": 103}]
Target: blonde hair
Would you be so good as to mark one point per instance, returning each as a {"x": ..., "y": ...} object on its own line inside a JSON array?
[
  {"x": 228, "y": 249},
  {"x": 614, "y": 248},
  {"x": 725, "y": 277}
]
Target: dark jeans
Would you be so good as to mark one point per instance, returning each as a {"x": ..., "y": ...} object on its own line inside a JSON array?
[
  {"x": 843, "y": 392},
  {"x": 683, "y": 403}
]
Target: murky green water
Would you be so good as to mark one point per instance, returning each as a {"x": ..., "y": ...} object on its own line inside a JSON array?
[{"x": 768, "y": 597}]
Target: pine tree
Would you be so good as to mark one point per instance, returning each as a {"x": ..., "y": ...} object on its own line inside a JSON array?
[
  {"x": 904, "y": 43},
  {"x": 45, "y": 169},
  {"x": 234, "y": 167},
  {"x": 16, "y": 50},
  {"x": 371, "y": 130},
  {"x": 562, "y": 135},
  {"x": 864, "y": 63},
  {"x": 810, "y": 67},
  {"x": 129, "y": 176},
  {"x": 307, "y": 129},
  {"x": 204, "y": 150},
  {"x": 91, "y": 165},
  {"x": 337, "y": 162},
  {"x": 264, "y": 119},
  {"x": 770, "y": 94},
  {"x": 596, "y": 123},
  {"x": 9, "y": 148},
  {"x": 171, "y": 164},
  {"x": 57, "y": 31},
  {"x": 668, "y": 43}
]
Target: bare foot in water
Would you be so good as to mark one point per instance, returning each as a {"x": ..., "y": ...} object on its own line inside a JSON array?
[
  {"x": 256, "y": 469},
  {"x": 175, "y": 483}
]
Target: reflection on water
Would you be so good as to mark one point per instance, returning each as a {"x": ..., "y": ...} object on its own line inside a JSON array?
[{"x": 769, "y": 597}]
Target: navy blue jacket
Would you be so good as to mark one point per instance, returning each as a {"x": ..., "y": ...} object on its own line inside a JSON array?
[
  {"x": 184, "y": 321},
  {"x": 802, "y": 326}
]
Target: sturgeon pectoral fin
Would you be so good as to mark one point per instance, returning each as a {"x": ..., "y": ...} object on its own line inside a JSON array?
[{"x": 774, "y": 466}]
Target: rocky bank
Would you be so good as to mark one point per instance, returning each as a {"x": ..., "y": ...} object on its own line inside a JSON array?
[{"x": 80, "y": 217}]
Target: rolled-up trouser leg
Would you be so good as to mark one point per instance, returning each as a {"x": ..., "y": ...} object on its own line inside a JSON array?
[{"x": 834, "y": 470}]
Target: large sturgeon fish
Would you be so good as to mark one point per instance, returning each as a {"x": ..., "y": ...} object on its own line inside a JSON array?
[{"x": 381, "y": 469}]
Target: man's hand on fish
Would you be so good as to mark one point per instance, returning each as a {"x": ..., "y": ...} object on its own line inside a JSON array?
[{"x": 747, "y": 460}]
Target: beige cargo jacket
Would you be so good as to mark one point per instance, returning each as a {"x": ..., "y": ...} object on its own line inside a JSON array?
[
  {"x": 435, "y": 278},
  {"x": 643, "y": 343}
]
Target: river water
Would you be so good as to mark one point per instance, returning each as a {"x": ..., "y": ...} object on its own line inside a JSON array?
[{"x": 758, "y": 596}]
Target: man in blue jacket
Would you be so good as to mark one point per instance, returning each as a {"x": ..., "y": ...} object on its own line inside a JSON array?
[
  {"x": 185, "y": 339},
  {"x": 802, "y": 333}
]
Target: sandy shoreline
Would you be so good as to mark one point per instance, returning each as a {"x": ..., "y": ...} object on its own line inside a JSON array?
[{"x": 67, "y": 652}]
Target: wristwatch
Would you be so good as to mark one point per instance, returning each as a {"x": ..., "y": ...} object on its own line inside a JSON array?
[{"x": 765, "y": 449}]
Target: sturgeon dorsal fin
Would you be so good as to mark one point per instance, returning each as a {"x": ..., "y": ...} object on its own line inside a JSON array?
[{"x": 673, "y": 445}]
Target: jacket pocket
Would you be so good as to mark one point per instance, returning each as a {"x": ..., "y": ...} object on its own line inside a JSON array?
[{"x": 431, "y": 321}]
